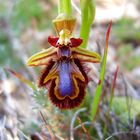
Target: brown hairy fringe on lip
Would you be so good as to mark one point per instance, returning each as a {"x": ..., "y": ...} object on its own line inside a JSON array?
[{"x": 67, "y": 103}]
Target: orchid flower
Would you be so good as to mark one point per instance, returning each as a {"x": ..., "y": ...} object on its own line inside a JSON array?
[{"x": 65, "y": 72}]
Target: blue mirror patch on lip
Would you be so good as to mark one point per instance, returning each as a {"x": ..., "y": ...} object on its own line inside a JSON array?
[{"x": 65, "y": 80}]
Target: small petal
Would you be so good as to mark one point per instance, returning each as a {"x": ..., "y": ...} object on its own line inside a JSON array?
[
  {"x": 43, "y": 57},
  {"x": 53, "y": 40},
  {"x": 85, "y": 55},
  {"x": 76, "y": 42}
]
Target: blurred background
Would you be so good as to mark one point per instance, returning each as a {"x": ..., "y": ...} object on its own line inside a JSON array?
[{"x": 24, "y": 28}]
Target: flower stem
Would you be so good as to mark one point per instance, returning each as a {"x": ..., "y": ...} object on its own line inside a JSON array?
[
  {"x": 88, "y": 14},
  {"x": 65, "y": 7}
]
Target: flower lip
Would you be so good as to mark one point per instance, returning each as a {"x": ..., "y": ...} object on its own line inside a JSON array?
[{"x": 67, "y": 102}]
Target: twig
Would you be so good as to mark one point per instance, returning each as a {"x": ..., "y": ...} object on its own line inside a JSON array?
[
  {"x": 2, "y": 127},
  {"x": 130, "y": 88},
  {"x": 84, "y": 129},
  {"x": 98, "y": 129},
  {"x": 47, "y": 126},
  {"x": 113, "y": 88},
  {"x": 80, "y": 125},
  {"x": 96, "y": 125},
  {"x": 76, "y": 8},
  {"x": 114, "y": 124},
  {"x": 99, "y": 47},
  {"x": 134, "y": 123},
  {"x": 73, "y": 121},
  {"x": 22, "y": 134},
  {"x": 119, "y": 133},
  {"x": 118, "y": 120},
  {"x": 127, "y": 97}
]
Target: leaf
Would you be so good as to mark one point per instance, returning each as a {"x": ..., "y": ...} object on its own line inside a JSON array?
[{"x": 98, "y": 91}]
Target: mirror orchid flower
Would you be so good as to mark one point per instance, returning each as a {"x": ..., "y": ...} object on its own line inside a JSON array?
[{"x": 65, "y": 72}]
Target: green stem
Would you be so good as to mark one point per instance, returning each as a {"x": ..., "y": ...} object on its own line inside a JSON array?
[
  {"x": 64, "y": 6},
  {"x": 88, "y": 14}
]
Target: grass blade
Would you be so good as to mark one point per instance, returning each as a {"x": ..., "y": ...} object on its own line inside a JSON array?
[
  {"x": 98, "y": 91},
  {"x": 21, "y": 78}
]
